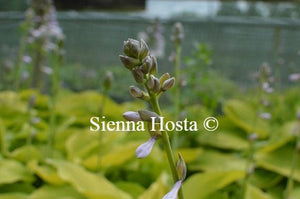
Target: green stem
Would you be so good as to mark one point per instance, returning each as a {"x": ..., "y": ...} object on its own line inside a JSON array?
[
  {"x": 52, "y": 129},
  {"x": 19, "y": 62},
  {"x": 103, "y": 102},
  {"x": 290, "y": 183},
  {"x": 250, "y": 158},
  {"x": 2, "y": 139},
  {"x": 167, "y": 145},
  {"x": 177, "y": 91}
]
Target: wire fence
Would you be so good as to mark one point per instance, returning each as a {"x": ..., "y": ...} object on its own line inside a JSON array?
[{"x": 240, "y": 45}]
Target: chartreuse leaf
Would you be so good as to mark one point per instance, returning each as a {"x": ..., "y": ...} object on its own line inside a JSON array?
[
  {"x": 285, "y": 134},
  {"x": 80, "y": 144},
  {"x": 218, "y": 195},
  {"x": 86, "y": 105},
  {"x": 87, "y": 183},
  {"x": 295, "y": 193},
  {"x": 13, "y": 171},
  {"x": 50, "y": 192},
  {"x": 190, "y": 154},
  {"x": 224, "y": 139},
  {"x": 279, "y": 161},
  {"x": 133, "y": 189},
  {"x": 13, "y": 196},
  {"x": 46, "y": 172},
  {"x": 245, "y": 117},
  {"x": 13, "y": 110},
  {"x": 203, "y": 184},
  {"x": 119, "y": 154},
  {"x": 255, "y": 193},
  {"x": 158, "y": 189},
  {"x": 26, "y": 153},
  {"x": 215, "y": 161}
]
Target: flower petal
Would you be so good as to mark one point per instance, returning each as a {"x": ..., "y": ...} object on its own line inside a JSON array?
[
  {"x": 173, "y": 193},
  {"x": 145, "y": 149}
]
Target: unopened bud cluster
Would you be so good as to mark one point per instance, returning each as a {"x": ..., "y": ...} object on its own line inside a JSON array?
[
  {"x": 143, "y": 67},
  {"x": 178, "y": 34}
]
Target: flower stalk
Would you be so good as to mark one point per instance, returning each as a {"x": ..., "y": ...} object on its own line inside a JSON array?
[
  {"x": 177, "y": 38},
  {"x": 144, "y": 70}
]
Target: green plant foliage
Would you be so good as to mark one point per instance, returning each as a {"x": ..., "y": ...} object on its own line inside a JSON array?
[
  {"x": 245, "y": 116},
  {"x": 87, "y": 164},
  {"x": 203, "y": 184}
]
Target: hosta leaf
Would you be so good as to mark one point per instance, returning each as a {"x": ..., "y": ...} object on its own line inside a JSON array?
[
  {"x": 158, "y": 189},
  {"x": 190, "y": 154},
  {"x": 13, "y": 110},
  {"x": 46, "y": 172},
  {"x": 80, "y": 144},
  {"x": 279, "y": 161},
  {"x": 218, "y": 195},
  {"x": 224, "y": 139},
  {"x": 119, "y": 154},
  {"x": 87, "y": 183},
  {"x": 50, "y": 192},
  {"x": 216, "y": 161},
  {"x": 264, "y": 179},
  {"x": 255, "y": 193},
  {"x": 203, "y": 184},
  {"x": 245, "y": 116},
  {"x": 18, "y": 187},
  {"x": 87, "y": 104},
  {"x": 13, "y": 196},
  {"x": 26, "y": 153},
  {"x": 13, "y": 171},
  {"x": 133, "y": 189},
  {"x": 295, "y": 193},
  {"x": 281, "y": 137}
]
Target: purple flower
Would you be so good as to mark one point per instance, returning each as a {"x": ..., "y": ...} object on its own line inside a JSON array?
[
  {"x": 173, "y": 193},
  {"x": 145, "y": 149},
  {"x": 294, "y": 77}
]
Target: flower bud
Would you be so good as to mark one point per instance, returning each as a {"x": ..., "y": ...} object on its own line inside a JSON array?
[
  {"x": 147, "y": 63},
  {"x": 138, "y": 75},
  {"x": 294, "y": 77},
  {"x": 181, "y": 168},
  {"x": 150, "y": 82},
  {"x": 148, "y": 115},
  {"x": 265, "y": 116},
  {"x": 132, "y": 116},
  {"x": 144, "y": 50},
  {"x": 129, "y": 62},
  {"x": 138, "y": 93},
  {"x": 163, "y": 78},
  {"x": 153, "y": 84},
  {"x": 252, "y": 137},
  {"x": 168, "y": 84},
  {"x": 131, "y": 48},
  {"x": 153, "y": 67},
  {"x": 108, "y": 79},
  {"x": 178, "y": 34},
  {"x": 154, "y": 132},
  {"x": 145, "y": 149}
]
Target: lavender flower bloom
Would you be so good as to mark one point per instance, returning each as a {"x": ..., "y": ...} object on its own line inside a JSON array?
[
  {"x": 145, "y": 149},
  {"x": 173, "y": 193},
  {"x": 294, "y": 77}
]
